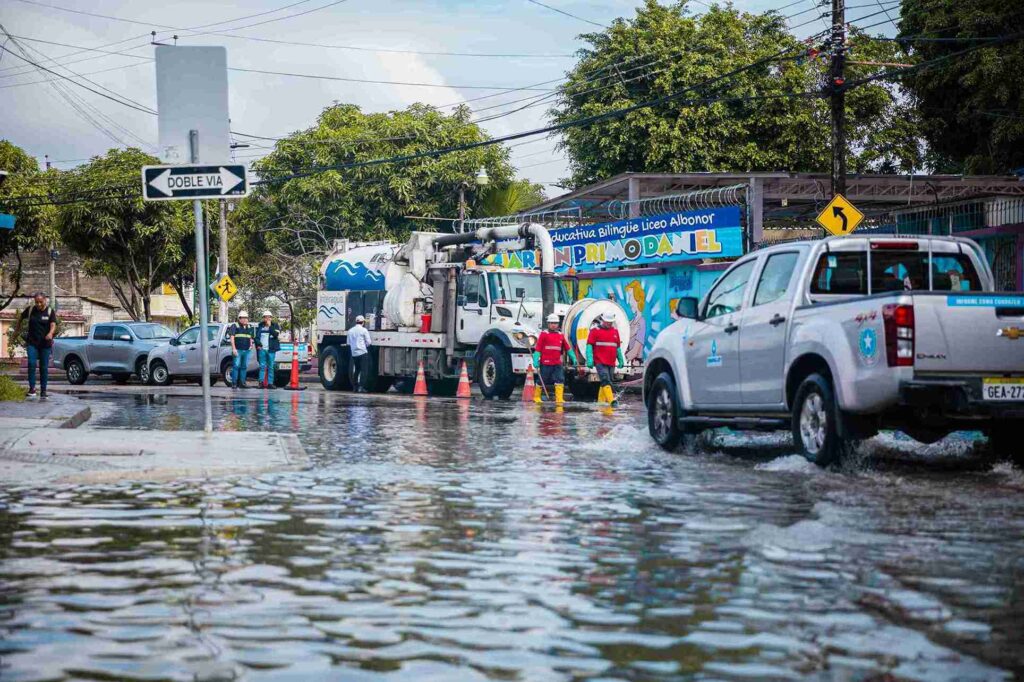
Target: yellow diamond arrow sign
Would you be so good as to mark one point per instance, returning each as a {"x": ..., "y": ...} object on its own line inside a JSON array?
[
  {"x": 840, "y": 216},
  {"x": 225, "y": 288}
]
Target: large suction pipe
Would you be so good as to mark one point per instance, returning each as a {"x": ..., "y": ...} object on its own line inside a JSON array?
[{"x": 540, "y": 237}]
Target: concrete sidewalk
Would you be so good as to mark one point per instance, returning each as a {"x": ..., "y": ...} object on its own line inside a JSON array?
[{"x": 39, "y": 443}]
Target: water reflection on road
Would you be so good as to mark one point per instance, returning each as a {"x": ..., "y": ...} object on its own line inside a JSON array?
[{"x": 434, "y": 540}]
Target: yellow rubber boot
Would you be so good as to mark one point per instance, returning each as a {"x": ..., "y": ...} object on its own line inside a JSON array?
[
  {"x": 602, "y": 395},
  {"x": 559, "y": 394},
  {"x": 536, "y": 394}
]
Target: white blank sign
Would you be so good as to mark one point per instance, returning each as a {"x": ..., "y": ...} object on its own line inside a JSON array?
[{"x": 192, "y": 94}]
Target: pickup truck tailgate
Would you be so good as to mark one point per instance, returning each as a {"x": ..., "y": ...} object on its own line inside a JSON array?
[{"x": 978, "y": 333}]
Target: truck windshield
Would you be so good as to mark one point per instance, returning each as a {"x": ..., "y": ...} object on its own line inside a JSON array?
[
  {"x": 510, "y": 287},
  {"x": 152, "y": 331}
]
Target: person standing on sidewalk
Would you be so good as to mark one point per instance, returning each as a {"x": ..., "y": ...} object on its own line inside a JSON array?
[
  {"x": 267, "y": 345},
  {"x": 241, "y": 334},
  {"x": 359, "y": 343},
  {"x": 604, "y": 351},
  {"x": 548, "y": 357},
  {"x": 42, "y": 325}
]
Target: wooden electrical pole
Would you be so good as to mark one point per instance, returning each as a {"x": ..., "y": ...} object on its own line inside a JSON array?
[{"x": 837, "y": 82}]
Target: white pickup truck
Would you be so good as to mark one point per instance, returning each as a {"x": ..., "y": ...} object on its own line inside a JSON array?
[{"x": 839, "y": 338}]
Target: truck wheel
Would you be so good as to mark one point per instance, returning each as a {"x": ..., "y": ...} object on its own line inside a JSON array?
[
  {"x": 158, "y": 373},
  {"x": 334, "y": 369},
  {"x": 663, "y": 413},
  {"x": 142, "y": 371},
  {"x": 76, "y": 371},
  {"x": 226, "y": 368},
  {"x": 815, "y": 431},
  {"x": 495, "y": 372},
  {"x": 121, "y": 378},
  {"x": 1004, "y": 441}
]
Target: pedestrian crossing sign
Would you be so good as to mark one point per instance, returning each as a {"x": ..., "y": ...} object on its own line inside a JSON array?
[
  {"x": 225, "y": 288},
  {"x": 840, "y": 217}
]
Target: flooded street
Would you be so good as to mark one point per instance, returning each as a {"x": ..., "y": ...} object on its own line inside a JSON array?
[{"x": 436, "y": 540}]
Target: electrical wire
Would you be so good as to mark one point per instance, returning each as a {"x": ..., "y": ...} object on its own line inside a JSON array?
[{"x": 563, "y": 12}]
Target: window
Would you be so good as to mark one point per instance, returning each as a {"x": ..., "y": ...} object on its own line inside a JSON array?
[
  {"x": 908, "y": 271},
  {"x": 774, "y": 281},
  {"x": 727, "y": 296},
  {"x": 473, "y": 290},
  {"x": 211, "y": 332},
  {"x": 189, "y": 336},
  {"x": 118, "y": 332},
  {"x": 104, "y": 332},
  {"x": 840, "y": 273},
  {"x": 152, "y": 331}
]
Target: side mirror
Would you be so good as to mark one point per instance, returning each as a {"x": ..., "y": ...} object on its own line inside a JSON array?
[
  {"x": 520, "y": 292},
  {"x": 686, "y": 308},
  {"x": 174, "y": 342},
  {"x": 125, "y": 337}
]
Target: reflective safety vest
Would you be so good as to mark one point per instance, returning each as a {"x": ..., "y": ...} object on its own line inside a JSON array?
[
  {"x": 243, "y": 336},
  {"x": 606, "y": 345},
  {"x": 550, "y": 346}
]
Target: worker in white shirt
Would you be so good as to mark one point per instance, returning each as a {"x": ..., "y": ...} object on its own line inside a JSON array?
[{"x": 359, "y": 344}]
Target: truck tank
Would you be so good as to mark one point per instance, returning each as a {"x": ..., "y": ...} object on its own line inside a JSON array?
[
  {"x": 358, "y": 268},
  {"x": 584, "y": 314}
]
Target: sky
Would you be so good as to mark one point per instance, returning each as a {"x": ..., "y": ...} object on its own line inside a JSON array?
[{"x": 72, "y": 126}]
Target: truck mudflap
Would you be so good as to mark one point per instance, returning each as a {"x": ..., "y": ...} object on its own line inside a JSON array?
[{"x": 962, "y": 397}]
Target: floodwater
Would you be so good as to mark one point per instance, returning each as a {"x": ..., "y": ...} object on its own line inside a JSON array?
[{"x": 432, "y": 540}]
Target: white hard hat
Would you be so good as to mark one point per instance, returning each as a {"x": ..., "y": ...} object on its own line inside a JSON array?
[
  {"x": 243, "y": 313},
  {"x": 552, "y": 318},
  {"x": 360, "y": 318},
  {"x": 608, "y": 317},
  {"x": 267, "y": 313}
]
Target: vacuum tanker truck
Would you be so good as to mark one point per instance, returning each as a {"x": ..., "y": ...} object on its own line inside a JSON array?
[{"x": 431, "y": 301}]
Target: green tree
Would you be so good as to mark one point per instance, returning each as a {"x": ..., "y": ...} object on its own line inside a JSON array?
[
  {"x": 135, "y": 244},
  {"x": 509, "y": 198},
  {"x": 663, "y": 51},
  {"x": 366, "y": 202},
  {"x": 24, "y": 193},
  {"x": 971, "y": 104}
]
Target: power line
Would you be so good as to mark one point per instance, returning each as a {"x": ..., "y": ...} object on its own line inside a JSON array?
[{"x": 563, "y": 12}]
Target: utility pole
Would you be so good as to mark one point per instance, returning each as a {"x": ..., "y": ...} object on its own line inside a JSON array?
[
  {"x": 222, "y": 257},
  {"x": 204, "y": 315},
  {"x": 837, "y": 81}
]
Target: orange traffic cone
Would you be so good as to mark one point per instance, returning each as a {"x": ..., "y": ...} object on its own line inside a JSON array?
[
  {"x": 421, "y": 382},
  {"x": 464, "y": 387},
  {"x": 528, "y": 387},
  {"x": 293, "y": 385}
]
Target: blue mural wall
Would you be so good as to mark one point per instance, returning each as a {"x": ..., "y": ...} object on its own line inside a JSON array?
[{"x": 649, "y": 299}]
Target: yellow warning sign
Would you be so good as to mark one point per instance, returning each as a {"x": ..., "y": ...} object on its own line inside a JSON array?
[
  {"x": 225, "y": 288},
  {"x": 840, "y": 216}
]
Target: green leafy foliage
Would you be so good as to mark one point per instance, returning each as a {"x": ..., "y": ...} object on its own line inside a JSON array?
[
  {"x": 11, "y": 390},
  {"x": 509, "y": 199},
  {"x": 971, "y": 104},
  {"x": 135, "y": 244},
  {"x": 662, "y": 51}
]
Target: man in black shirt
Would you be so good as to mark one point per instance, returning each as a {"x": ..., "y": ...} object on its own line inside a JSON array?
[{"x": 42, "y": 324}]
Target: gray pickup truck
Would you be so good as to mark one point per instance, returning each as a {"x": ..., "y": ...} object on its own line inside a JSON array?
[
  {"x": 180, "y": 358},
  {"x": 839, "y": 338},
  {"x": 115, "y": 348}
]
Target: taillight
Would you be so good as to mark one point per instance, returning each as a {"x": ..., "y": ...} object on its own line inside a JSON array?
[{"x": 899, "y": 334}]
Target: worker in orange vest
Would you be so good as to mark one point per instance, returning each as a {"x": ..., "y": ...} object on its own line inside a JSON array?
[
  {"x": 604, "y": 352},
  {"x": 548, "y": 358}
]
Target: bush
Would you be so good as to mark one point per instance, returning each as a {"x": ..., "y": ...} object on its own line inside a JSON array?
[{"x": 9, "y": 390}]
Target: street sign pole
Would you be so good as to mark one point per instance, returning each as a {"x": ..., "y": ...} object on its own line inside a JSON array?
[{"x": 204, "y": 316}]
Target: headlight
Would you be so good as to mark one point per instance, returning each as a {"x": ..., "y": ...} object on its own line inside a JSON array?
[
  {"x": 532, "y": 340},
  {"x": 519, "y": 336}
]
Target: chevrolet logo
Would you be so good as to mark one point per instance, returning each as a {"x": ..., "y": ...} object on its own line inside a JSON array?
[{"x": 1012, "y": 333}]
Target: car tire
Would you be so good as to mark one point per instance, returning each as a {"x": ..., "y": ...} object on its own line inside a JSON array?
[
  {"x": 159, "y": 375},
  {"x": 142, "y": 371},
  {"x": 226, "y": 366},
  {"x": 75, "y": 371},
  {"x": 815, "y": 421},
  {"x": 494, "y": 373},
  {"x": 1004, "y": 441},
  {"x": 334, "y": 369},
  {"x": 663, "y": 413},
  {"x": 121, "y": 378}
]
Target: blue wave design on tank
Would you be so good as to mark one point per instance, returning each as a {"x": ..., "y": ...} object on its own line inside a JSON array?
[{"x": 347, "y": 276}]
